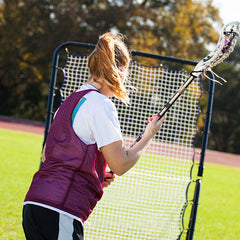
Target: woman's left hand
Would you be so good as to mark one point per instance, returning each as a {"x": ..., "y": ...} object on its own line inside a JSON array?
[{"x": 108, "y": 178}]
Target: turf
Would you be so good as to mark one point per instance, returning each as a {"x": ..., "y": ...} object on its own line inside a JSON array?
[
  {"x": 218, "y": 214},
  {"x": 219, "y": 211},
  {"x": 20, "y": 157}
]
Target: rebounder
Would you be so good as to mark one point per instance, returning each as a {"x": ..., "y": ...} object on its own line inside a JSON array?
[{"x": 158, "y": 198}]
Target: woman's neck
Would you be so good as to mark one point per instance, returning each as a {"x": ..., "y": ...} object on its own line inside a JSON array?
[
  {"x": 101, "y": 86},
  {"x": 92, "y": 81}
]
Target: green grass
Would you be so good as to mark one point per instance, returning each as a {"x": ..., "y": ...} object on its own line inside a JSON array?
[
  {"x": 19, "y": 159},
  {"x": 219, "y": 210},
  {"x": 218, "y": 214}
]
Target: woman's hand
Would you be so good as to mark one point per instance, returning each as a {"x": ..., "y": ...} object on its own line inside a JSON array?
[
  {"x": 154, "y": 124},
  {"x": 108, "y": 179}
]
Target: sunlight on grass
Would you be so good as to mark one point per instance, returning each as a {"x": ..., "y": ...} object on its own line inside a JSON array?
[
  {"x": 219, "y": 212},
  {"x": 20, "y": 157},
  {"x": 218, "y": 215}
]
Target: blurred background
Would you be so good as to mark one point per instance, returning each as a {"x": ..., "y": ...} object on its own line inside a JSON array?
[{"x": 30, "y": 31}]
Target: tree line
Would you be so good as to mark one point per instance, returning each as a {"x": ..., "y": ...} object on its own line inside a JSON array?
[{"x": 30, "y": 31}]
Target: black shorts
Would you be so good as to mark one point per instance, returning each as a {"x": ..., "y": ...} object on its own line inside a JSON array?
[{"x": 41, "y": 223}]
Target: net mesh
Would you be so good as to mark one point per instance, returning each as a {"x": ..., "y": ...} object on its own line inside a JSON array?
[{"x": 148, "y": 202}]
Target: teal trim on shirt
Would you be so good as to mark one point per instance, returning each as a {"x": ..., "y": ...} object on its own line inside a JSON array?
[{"x": 82, "y": 100}]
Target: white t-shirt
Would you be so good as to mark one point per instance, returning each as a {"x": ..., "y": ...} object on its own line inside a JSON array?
[{"x": 96, "y": 121}]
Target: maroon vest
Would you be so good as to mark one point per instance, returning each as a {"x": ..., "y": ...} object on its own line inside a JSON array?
[{"x": 71, "y": 179}]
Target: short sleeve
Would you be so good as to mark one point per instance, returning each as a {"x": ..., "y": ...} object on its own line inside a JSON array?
[{"x": 105, "y": 125}]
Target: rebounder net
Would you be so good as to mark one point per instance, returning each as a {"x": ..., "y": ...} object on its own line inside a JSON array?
[{"x": 150, "y": 200}]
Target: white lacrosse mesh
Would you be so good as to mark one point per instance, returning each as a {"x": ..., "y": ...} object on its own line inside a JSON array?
[{"x": 148, "y": 201}]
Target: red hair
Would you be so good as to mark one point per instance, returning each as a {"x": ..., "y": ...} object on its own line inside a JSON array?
[{"x": 109, "y": 61}]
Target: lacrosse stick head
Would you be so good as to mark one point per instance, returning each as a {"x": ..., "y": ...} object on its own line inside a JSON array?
[{"x": 226, "y": 43}]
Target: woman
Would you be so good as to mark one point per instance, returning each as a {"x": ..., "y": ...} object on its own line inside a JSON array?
[{"x": 84, "y": 137}]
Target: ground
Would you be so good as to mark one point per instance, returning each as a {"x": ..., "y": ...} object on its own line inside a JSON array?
[{"x": 38, "y": 128}]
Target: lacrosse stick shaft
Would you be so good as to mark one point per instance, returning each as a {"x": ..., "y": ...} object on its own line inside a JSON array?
[
  {"x": 168, "y": 105},
  {"x": 175, "y": 96}
]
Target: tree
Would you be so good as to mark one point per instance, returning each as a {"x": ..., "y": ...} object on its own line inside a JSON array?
[
  {"x": 22, "y": 59},
  {"x": 225, "y": 127},
  {"x": 31, "y": 30}
]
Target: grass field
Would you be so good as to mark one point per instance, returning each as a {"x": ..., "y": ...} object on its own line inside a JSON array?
[{"x": 218, "y": 214}]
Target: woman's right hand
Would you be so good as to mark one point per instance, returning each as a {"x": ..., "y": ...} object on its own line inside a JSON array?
[{"x": 154, "y": 124}]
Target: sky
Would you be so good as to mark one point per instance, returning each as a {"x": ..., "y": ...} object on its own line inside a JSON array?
[{"x": 229, "y": 10}]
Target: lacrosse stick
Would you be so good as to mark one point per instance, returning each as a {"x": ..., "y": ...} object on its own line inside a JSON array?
[{"x": 225, "y": 46}]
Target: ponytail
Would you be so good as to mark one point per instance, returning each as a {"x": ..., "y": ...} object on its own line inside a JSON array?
[{"x": 109, "y": 61}]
